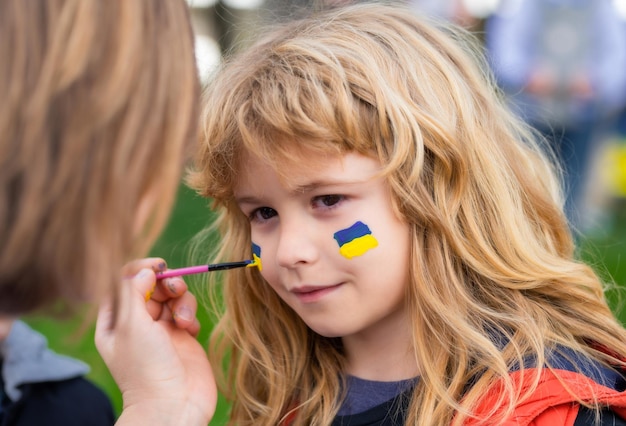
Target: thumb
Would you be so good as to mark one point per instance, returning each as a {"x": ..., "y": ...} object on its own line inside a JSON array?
[{"x": 133, "y": 293}]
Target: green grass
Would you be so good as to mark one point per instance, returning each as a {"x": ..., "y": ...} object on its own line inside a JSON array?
[{"x": 607, "y": 253}]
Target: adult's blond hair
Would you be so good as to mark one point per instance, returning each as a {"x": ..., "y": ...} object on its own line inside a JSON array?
[
  {"x": 99, "y": 102},
  {"x": 494, "y": 278}
]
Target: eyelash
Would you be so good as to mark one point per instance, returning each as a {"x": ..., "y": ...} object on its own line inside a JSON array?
[
  {"x": 255, "y": 215},
  {"x": 327, "y": 202},
  {"x": 336, "y": 198}
]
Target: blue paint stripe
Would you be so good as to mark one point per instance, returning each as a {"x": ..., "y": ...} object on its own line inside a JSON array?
[{"x": 357, "y": 230}]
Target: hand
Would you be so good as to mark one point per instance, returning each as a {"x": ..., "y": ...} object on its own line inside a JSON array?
[{"x": 151, "y": 350}]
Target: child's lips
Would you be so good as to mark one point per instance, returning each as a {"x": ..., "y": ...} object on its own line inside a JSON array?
[{"x": 310, "y": 294}]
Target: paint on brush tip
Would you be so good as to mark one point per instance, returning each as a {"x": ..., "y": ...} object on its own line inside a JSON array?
[
  {"x": 256, "y": 257},
  {"x": 355, "y": 240}
]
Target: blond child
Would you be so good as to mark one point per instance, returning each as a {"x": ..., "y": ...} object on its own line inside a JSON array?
[{"x": 417, "y": 266}]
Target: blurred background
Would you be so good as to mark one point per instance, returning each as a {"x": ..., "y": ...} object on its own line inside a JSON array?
[{"x": 561, "y": 63}]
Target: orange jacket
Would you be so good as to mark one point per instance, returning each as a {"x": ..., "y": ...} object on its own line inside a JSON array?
[{"x": 551, "y": 404}]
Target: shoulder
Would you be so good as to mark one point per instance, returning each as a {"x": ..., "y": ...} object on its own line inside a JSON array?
[
  {"x": 554, "y": 393},
  {"x": 69, "y": 402},
  {"x": 553, "y": 402}
]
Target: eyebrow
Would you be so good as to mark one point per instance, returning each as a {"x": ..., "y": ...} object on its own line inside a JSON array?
[
  {"x": 325, "y": 182},
  {"x": 301, "y": 189},
  {"x": 247, "y": 199}
]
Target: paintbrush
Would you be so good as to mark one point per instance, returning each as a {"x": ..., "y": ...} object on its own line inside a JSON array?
[{"x": 205, "y": 268}]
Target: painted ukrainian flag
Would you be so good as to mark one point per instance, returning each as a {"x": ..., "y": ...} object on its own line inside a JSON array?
[
  {"x": 256, "y": 256},
  {"x": 355, "y": 240}
]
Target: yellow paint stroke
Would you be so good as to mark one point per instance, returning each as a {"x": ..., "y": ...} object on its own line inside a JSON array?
[
  {"x": 358, "y": 246},
  {"x": 256, "y": 257},
  {"x": 256, "y": 262}
]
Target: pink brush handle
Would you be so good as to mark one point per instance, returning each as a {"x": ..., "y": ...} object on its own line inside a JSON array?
[
  {"x": 204, "y": 268},
  {"x": 183, "y": 271}
]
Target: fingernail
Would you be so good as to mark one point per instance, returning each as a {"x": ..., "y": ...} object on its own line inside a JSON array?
[
  {"x": 184, "y": 313},
  {"x": 160, "y": 267},
  {"x": 171, "y": 285}
]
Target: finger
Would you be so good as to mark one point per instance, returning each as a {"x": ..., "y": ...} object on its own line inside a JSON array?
[
  {"x": 184, "y": 310},
  {"x": 104, "y": 321},
  {"x": 130, "y": 293},
  {"x": 159, "y": 301},
  {"x": 138, "y": 288},
  {"x": 158, "y": 310},
  {"x": 194, "y": 329},
  {"x": 169, "y": 288},
  {"x": 157, "y": 264}
]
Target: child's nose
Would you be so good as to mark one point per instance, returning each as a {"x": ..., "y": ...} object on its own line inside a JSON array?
[{"x": 298, "y": 244}]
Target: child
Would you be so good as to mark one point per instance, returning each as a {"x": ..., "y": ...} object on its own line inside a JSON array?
[
  {"x": 99, "y": 104},
  {"x": 416, "y": 264}
]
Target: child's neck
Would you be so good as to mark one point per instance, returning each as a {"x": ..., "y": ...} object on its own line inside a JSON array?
[{"x": 382, "y": 353}]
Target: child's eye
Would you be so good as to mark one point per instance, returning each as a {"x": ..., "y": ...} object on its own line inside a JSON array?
[
  {"x": 262, "y": 214},
  {"x": 327, "y": 200}
]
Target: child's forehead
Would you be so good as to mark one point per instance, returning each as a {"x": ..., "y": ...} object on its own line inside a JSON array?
[
  {"x": 296, "y": 166},
  {"x": 317, "y": 170},
  {"x": 289, "y": 154}
]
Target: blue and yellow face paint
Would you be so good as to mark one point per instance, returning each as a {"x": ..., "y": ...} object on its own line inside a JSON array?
[
  {"x": 256, "y": 256},
  {"x": 355, "y": 240}
]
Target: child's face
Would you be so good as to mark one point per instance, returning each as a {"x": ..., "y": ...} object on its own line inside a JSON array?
[{"x": 299, "y": 224}]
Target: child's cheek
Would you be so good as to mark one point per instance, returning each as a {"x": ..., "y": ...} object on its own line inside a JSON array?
[{"x": 355, "y": 240}]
